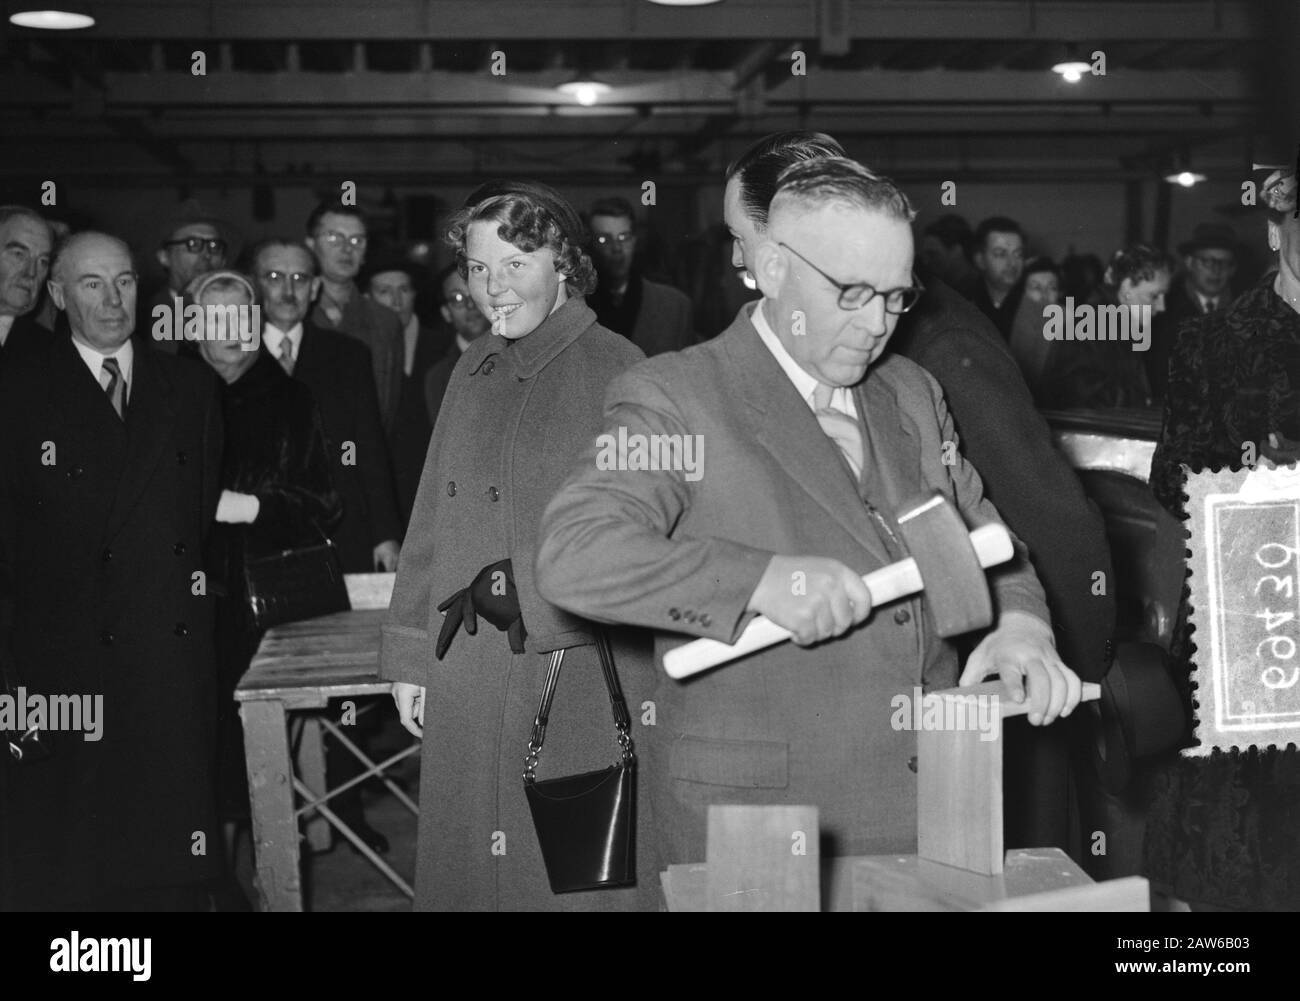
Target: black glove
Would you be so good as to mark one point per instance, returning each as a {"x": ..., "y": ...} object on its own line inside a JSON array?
[{"x": 492, "y": 595}]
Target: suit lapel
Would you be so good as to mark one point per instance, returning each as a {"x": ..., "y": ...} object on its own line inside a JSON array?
[
  {"x": 787, "y": 428},
  {"x": 889, "y": 435},
  {"x": 150, "y": 416}
]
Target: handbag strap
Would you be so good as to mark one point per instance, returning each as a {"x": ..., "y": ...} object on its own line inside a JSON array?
[{"x": 622, "y": 719}]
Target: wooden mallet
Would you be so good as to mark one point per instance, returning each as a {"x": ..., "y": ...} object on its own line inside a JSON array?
[{"x": 947, "y": 562}]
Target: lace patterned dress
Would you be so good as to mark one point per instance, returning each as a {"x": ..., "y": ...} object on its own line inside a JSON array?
[{"x": 1224, "y": 830}]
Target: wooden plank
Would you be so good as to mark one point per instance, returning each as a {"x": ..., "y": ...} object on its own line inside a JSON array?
[
  {"x": 311, "y": 769},
  {"x": 911, "y": 883},
  {"x": 369, "y": 590},
  {"x": 275, "y": 831},
  {"x": 333, "y": 650},
  {"x": 763, "y": 858},
  {"x": 1130, "y": 895}
]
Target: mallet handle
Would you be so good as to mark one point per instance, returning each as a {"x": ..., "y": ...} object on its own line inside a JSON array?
[{"x": 992, "y": 546}]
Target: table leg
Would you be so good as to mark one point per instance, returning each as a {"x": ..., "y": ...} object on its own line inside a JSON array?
[
  {"x": 270, "y": 786},
  {"x": 311, "y": 767}
]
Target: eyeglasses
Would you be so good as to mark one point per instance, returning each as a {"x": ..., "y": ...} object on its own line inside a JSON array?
[
  {"x": 1280, "y": 196},
  {"x": 198, "y": 244},
  {"x": 897, "y": 300},
  {"x": 296, "y": 278},
  {"x": 458, "y": 299},
  {"x": 605, "y": 238},
  {"x": 335, "y": 239}
]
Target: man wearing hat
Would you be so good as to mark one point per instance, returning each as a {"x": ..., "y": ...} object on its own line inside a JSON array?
[
  {"x": 192, "y": 243},
  {"x": 392, "y": 284},
  {"x": 1209, "y": 263}
]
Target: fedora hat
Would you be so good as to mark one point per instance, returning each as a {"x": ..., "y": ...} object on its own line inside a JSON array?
[{"x": 1209, "y": 236}]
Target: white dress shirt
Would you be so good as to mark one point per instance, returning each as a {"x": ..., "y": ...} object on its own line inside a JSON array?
[
  {"x": 6, "y": 325},
  {"x": 273, "y": 335},
  {"x": 412, "y": 337},
  {"x": 125, "y": 356}
]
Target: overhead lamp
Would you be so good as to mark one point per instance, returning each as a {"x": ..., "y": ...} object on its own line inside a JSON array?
[
  {"x": 1184, "y": 178},
  {"x": 1072, "y": 70},
  {"x": 585, "y": 91},
  {"x": 63, "y": 19}
]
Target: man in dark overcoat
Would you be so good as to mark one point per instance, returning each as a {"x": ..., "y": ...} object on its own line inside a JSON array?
[{"x": 108, "y": 481}]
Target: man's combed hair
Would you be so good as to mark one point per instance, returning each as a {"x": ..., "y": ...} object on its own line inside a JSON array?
[
  {"x": 615, "y": 208},
  {"x": 837, "y": 179},
  {"x": 758, "y": 168},
  {"x": 62, "y": 246},
  {"x": 1139, "y": 262},
  {"x": 530, "y": 222},
  {"x": 8, "y": 212},
  {"x": 331, "y": 207},
  {"x": 995, "y": 224}
]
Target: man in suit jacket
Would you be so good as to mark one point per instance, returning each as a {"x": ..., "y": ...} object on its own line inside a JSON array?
[
  {"x": 25, "y": 244},
  {"x": 781, "y": 520},
  {"x": 999, "y": 258},
  {"x": 467, "y": 323},
  {"x": 654, "y": 317},
  {"x": 109, "y": 479},
  {"x": 336, "y": 234},
  {"x": 334, "y": 368},
  {"x": 392, "y": 284}
]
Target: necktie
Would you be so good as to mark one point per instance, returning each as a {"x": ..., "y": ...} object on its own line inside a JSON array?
[
  {"x": 839, "y": 427},
  {"x": 286, "y": 355},
  {"x": 110, "y": 377}
]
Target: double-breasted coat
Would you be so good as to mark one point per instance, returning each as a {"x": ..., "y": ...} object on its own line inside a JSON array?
[
  {"x": 101, "y": 533},
  {"x": 682, "y": 552},
  {"x": 516, "y": 413}
]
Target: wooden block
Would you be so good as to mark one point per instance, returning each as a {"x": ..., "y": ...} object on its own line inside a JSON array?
[
  {"x": 911, "y": 883},
  {"x": 959, "y": 784},
  {"x": 369, "y": 590},
  {"x": 1131, "y": 895},
  {"x": 763, "y": 858}
]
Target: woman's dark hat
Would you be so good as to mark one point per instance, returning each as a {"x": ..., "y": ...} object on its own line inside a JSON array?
[{"x": 555, "y": 204}]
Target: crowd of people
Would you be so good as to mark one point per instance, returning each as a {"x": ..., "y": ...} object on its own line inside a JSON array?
[{"x": 441, "y": 426}]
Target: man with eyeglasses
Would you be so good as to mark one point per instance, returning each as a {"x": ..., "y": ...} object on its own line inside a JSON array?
[
  {"x": 192, "y": 244},
  {"x": 467, "y": 323},
  {"x": 336, "y": 234},
  {"x": 654, "y": 317},
  {"x": 813, "y": 440},
  {"x": 1209, "y": 265}
]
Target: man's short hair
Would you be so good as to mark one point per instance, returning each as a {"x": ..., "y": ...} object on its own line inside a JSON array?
[
  {"x": 617, "y": 208},
  {"x": 951, "y": 230},
  {"x": 281, "y": 241},
  {"x": 758, "y": 168},
  {"x": 1138, "y": 262},
  {"x": 839, "y": 180},
  {"x": 8, "y": 212},
  {"x": 995, "y": 224},
  {"x": 331, "y": 207},
  {"x": 1042, "y": 265},
  {"x": 72, "y": 239}
]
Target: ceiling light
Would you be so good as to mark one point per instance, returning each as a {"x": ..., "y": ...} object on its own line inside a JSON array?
[
  {"x": 52, "y": 20},
  {"x": 1185, "y": 178},
  {"x": 1073, "y": 71},
  {"x": 585, "y": 92}
]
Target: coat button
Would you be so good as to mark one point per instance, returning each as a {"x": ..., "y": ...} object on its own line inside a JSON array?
[
  {"x": 488, "y": 366},
  {"x": 181, "y": 629},
  {"x": 494, "y": 493},
  {"x": 911, "y": 763},
  {"x": 706, "y": 619},
  {"x": 451, "y": 488},
  {"x": 902, "y": 616},
  {"x": 674, "y": 614},
  {"x": 106, "y": 555},
  {"x": 689, "y": 615},
  {"x": 179, "y": 549},
  {"x": 180, "y": 458},
  {"x": 106, "y": 638}
]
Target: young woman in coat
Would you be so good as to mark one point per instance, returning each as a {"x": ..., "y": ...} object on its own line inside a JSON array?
[{"x": 521, "y": 406}]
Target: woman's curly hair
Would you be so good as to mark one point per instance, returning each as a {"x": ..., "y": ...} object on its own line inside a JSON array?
[
  {"x": 530, "y": 216},
  {"x": 1137, "y": 262}
]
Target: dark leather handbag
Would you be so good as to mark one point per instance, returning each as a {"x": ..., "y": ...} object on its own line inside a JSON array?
[
  {"x": 295, "y": 584},
  {"x": 585, "y": 823},
  {"x": 29, "y": 745}
]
